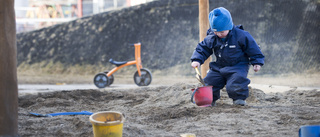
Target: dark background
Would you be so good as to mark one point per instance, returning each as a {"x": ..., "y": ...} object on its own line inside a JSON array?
[{"x": 287, "y": 31}]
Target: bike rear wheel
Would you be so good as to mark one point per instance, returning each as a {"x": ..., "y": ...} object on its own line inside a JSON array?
[
  {"x": 111, "y": 78},
  {"x": 101, "y": 80}
]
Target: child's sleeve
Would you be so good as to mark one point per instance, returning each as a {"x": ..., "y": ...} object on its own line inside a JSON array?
[
  {"x": 253, "y": 51},
  {"x": 203, "y": 51}
]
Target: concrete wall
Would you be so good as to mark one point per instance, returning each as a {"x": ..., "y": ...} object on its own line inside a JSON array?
[{"x": 287, "y": 31}]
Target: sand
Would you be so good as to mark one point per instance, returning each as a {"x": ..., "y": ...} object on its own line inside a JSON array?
[{"x": 168, "y": 111}]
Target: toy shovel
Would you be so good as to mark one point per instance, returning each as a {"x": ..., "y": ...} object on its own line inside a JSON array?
[{"x": 198, "y": 76}]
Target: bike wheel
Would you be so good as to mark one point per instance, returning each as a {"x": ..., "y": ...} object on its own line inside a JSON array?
[
  {"x": 101, "y": 80},
  {"x": 111, "y": 78},
  {"x": 145, "y": 78}
]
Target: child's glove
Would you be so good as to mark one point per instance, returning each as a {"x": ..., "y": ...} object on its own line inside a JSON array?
[
  {"x": 256, "y": 68},
  {"x": 195, "y": 64}
]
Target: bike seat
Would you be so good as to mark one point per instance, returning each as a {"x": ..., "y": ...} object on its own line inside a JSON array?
[{"x": 117, "y": 63}]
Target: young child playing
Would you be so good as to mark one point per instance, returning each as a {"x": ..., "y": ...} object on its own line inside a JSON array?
[{"x": 235, "y": 49}]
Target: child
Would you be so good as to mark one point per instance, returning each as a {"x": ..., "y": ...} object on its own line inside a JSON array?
[{"x": 235, "y": 49}]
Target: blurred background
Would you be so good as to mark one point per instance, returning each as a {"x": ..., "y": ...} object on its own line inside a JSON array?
[
  {"x": 36, "y": 14},
  {"x": 78, "y": 37}
]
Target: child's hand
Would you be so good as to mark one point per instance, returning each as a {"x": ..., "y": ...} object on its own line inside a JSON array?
[
  {"x": 195, "y": 64},
  {"x": 256, "y": 68}
]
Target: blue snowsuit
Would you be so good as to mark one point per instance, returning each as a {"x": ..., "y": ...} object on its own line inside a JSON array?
[{"x": 233, "y": 59}]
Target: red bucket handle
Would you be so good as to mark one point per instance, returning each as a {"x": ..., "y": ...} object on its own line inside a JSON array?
[{"x": 194, "y": 92}]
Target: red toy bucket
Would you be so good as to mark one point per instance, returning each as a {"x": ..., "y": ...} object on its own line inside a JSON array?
[{"x": 202, "y": 96}]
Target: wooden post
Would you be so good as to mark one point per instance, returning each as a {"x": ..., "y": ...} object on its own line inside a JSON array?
[
  {"x": 203, "y": 27},
  {"x": 8, "y": 71}
]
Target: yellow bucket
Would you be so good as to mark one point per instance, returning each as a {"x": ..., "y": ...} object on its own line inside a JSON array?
[{"x": 107, "y": 124}]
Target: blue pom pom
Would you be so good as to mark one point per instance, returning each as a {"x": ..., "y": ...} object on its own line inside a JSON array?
[{"x": 217, "y": 12}]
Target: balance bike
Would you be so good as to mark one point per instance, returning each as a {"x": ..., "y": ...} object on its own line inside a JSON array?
[{"x": 142, "y": 77}]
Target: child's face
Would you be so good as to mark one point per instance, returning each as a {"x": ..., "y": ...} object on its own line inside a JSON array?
[{"x": 222, "y": 34}]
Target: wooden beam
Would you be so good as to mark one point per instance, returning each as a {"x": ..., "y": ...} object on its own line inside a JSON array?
[
  {"x": 8, "y": 71},
  {"x": 203, "y": 27}
]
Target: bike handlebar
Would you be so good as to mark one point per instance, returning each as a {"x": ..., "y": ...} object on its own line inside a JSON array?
[{"x": 134, "y": 44}]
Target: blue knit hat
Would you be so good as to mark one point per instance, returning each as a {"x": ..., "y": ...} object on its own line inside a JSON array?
[{"x": 220, "y": 19}]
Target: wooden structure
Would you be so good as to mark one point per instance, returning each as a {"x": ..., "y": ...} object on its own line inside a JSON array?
[
  {"x": 8, "y": 71},
  {"x": 203, "y": 27}
]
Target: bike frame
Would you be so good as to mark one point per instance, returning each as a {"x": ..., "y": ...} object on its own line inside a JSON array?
[{"x": 137, "y": 61}]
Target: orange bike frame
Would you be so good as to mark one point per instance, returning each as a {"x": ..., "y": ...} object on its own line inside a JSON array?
[{"x": 137, "y": 61}]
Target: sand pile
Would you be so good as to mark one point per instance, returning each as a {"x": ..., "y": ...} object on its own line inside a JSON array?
[{"x": 167, "y": 111}]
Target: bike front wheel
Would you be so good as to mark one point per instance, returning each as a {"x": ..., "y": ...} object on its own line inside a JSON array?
[{"x": 145, "y": 78}]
